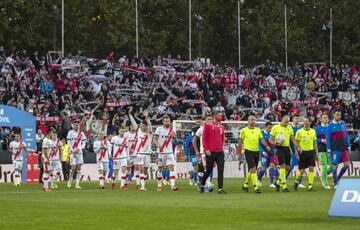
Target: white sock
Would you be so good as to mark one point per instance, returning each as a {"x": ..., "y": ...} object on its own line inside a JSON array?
[
  {"x": 137, "y": 177},
  {"x": 52, "y": 179},
  {"x": 71, "y": 176},
  {"x": 122, "y": 179},
  {"x": 101, "y": 180},
  {"x": 172, "y": 178},
  {"x": 142, "y": 180},
  {"x": 57, "y": 177},
  {"x": 159, "y": 179},
  {"x": 17, "y": 177},
  {"x": 45, "y": 178},
  {"x": 78, "y": 176},
  {"x": 113, "y": 178}
]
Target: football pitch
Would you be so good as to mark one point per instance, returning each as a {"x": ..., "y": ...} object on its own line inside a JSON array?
[{"x": 28, "y": 207}]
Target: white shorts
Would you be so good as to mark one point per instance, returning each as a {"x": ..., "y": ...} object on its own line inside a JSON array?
[
  {"x": 103, "y": 166},
  {"x": 132, "y": 161},
  {"x": 77, "y": 160},
  {"x": 118, "y": 163},
  {"x": 165, "y": 159},
  {"x": 143, "y": 160},
  {"x": 55, "y": 165},
  {"x": 17, "y": 165}
]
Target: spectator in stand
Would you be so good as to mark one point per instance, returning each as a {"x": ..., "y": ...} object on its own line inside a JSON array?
[
  {"x": 219, "y": 108},
  {"x": 211, "y": 99},
  {"x": 294, "y": 110},
  {"x": 35, "y": 60},
  {"x": 42, "y": 127},
  {"x": 47, "y": 89}
]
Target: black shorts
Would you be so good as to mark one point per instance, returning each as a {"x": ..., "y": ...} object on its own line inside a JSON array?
[
  {"x": 307, "y": 159},
  {"x": 252, "y": 158},
  {"x": 284, "y": 155}
]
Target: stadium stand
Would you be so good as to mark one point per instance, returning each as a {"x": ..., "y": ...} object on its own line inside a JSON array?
[{"x": 55, "y": 88}]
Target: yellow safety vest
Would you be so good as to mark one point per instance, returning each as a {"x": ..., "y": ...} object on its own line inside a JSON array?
[{"x": 65, "y": 152}]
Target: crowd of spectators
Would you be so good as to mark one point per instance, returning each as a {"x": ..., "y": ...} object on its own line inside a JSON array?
[{"x": 55, "y": 88}]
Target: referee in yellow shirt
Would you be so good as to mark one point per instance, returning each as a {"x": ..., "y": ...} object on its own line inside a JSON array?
[
  {"x": 306, "y": 137},
  {"x": 280, "y": 137},
  {"x": 249, "y": 140}
]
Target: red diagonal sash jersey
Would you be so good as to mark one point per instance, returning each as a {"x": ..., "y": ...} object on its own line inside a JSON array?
[
  {"x": 76, "y": 141},
  {"x": 119, "y": 145},
  {"x": 144, "y": 142},
  {"x": 164, "y": 139},
  {"x": 132, "y": 139},
  {"x": 55, "y": 153},
  {"x": 47, "y": 148},
  {"x": 16, "y": 149},
  {"x": 102, "y": 148}
]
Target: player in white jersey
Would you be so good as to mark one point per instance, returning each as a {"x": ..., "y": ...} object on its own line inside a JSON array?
[
  {"x": 17, "y": 147},
  {"x": 201, "y": 154},
  {"x": 102, "y": 148},
  {"x": 163, "y": 140},
  {"x": 76, "y": 141},
  {"x": 132, "y": 139},
  {"x": 55, "y": 162},
  {"x": 47, "y": 151},
  {"x": 120, "y": 159},
  {"x": 143, "y": 151}
]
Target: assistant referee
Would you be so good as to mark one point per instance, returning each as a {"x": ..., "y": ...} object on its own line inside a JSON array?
[
  {"x": 306, "y": 137},
  {"x": 249, "y": 138}
]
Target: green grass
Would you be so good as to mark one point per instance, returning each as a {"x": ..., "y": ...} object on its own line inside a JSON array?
[{"x": 28, "y": 207}]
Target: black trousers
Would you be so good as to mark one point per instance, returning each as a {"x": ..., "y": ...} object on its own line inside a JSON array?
[
  {"x": 41, "y": 175},
  {"x": 41, "y": 167},
  {"x": 220, "y": 162},
  {"x": 66, "y": 169}
]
